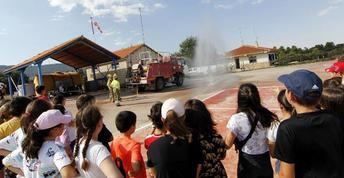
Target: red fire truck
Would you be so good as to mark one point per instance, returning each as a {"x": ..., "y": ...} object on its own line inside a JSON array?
[{"x": 156, "y": 73}]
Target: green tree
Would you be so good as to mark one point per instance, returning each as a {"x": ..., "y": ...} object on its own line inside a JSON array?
[
  {"x": 187, "y": 47},
  {"x": 329, "y": 46}
]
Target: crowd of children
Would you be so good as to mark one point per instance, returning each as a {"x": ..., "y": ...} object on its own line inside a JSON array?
[{"x": 41, "y": 138}]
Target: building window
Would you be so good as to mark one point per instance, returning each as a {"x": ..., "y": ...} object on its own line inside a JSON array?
[
  {"x": 252, "y": 59},
  {"x": 272, "y": 57},
  {"x": 115, "y": 66}
]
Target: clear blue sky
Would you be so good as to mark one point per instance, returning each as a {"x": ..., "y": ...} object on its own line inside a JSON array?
[{"x": 30, "y": 26}]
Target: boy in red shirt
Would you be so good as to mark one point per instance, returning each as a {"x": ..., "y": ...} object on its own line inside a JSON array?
[{"x": 127, "y": 149}]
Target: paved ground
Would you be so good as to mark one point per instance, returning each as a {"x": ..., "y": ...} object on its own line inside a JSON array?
[{"x": 219, "y": 93}]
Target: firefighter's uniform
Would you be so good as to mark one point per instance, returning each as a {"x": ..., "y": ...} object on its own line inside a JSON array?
[
  {"x": 116, "y": 88},
  {"x": 108, "y": 84}
]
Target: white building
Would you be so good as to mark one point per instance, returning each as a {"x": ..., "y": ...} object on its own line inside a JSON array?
[
  {"x": 249, "y": 57},
  {"x": 128, "y": 57}
]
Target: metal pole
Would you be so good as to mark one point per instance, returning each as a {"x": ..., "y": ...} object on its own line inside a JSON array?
[
  {"x": 143, "y": 34},
  {"x": 40, "y": 74},
  {"x": 10, "y": 85},
  {"x": 94, "y": 73},
  {"x": 23, "y": 81}
]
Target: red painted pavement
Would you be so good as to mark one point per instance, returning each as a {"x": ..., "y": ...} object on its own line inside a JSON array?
[{"x": 223, "y": 105}]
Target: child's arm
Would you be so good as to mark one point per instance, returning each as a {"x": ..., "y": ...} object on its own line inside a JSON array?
[
  {"x": 135, "y": 160},
  {"x": 136, "y": 168}
]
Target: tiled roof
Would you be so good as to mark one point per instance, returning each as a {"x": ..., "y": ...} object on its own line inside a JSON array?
[
  {"x": 75, "y": 52},
  {"x": 248, "y": 50},
  {"x": 123, "y": 53}
]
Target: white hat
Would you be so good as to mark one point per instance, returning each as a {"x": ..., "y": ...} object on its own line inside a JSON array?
[
  {"x": 51, "y": 118},
  {"x": 172, "y": 104}
]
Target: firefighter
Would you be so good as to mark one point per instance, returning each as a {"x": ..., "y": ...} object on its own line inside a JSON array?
[
  {"x": 116, "y": 87},
  {"x": 108, "y": 84}
]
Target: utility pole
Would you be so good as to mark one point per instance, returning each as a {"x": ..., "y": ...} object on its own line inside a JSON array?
[{"x": 143, "y": 34}]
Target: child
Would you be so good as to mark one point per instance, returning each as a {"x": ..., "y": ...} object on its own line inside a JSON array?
[
  {"x": 41, "y": 93},
  {"x": 42, "y": 157},
  {"x": 308, "y": 144},
  {"x": 105, "y": 136},
  {"x": 170, "y": 155},
  {"x": 17, "y": 108},
  {"x": 69, "y": 135},
  {"x": 247, "y": 129},
  {"x": 211, "y": 145},
  {"x": 127, "y": 149},
  {"x": 93, "y": 159},
  {"x": 286, "y": 112},
  {"x": 158, "y": 126},
  {"x": 332, "y": 99}
]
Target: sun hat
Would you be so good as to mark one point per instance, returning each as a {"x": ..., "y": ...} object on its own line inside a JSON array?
[
  {"x": 172, "y": 104},
  {"x": 304, "y": 84},
  {"x": 51, "y": 118}
]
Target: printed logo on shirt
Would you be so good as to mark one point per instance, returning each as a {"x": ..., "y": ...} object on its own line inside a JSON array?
[
  {"x": 32, "y": 165},
  {"x": 50, "y": 152},
  {"x": 49, "y": 173}
]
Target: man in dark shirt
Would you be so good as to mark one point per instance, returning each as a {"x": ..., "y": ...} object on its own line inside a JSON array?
[{"x": 309, "y": 144}]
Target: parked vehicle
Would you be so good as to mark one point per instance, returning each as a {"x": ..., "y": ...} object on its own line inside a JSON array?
[{"x": 156, "y": 73}]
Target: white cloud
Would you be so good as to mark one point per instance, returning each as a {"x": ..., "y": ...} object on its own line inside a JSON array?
[
  {"x": 326, "y": 10},
  {"x": 3, "y": 32},
  {"x": 66, "y": 5},
  {"x": 119, "y": 9},
  {"x": 110, "y": 33},
  {"x": 223, "y": 6},
  {"x": 229, "y": 4},
  {"x": 257, "y": 2},
  {"x": 159, "y": 6}
]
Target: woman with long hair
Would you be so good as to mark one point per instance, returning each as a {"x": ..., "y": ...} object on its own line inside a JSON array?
[
  {"x": 41, "y": 156},
  {"x": 170, "y": 155},
  {"x": 92, "y": 157},
  {"x": 247, "y": 129},
  {"x": 212, "y": 145}
]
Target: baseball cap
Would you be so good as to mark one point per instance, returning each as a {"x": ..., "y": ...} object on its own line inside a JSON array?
[
  {"x": 172, "y": 104},
  {"x": 304, "y": 84},
  {"x": 51, "y": 118}
]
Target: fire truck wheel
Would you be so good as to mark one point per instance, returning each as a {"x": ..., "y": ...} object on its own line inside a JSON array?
[
  {"x": 179, "y": 80},
  {"x": 159, "y": 84}
]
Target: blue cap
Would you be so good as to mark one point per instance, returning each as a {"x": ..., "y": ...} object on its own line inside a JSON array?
[{"x": 304, "y": 84}]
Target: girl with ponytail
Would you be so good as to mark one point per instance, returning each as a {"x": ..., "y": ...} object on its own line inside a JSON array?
[
  {"x": 247, "y": 129},
  {"x": 92, "y": 157},
  {"x": 41, "y": 156},
  {"x": 171, "y": 155}
]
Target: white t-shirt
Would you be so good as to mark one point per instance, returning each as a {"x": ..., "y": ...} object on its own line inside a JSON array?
[
  {"x": 51, "y": 159},
  {"x": 240, "y": 126},
  {"x": 95, "y": 154},
  {"x": 14, "y": 159},
  {"x": 272, "y": 132},
  {"x": 12, "y": 141}
]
